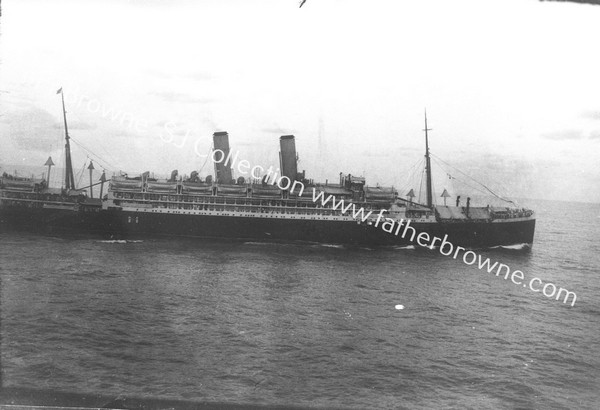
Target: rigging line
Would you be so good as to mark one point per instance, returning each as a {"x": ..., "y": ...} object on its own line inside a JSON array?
[
  {"x": 105, "y": 151},
  {"x": 415, "y": 165},
  {"x": 206, "y": 160},
  {"x": 422, "y": 168},
  {"x": 414, "y": 185},
  {"x": 478, "y": 189},
  {"x": 470, "y": 177},
  {"x": 87, "y": 151},
  {"x": 421, "y": 185},
  {"x": 411, "y": 174},
  {"x": 484, "y": 186},
  {"x": 470, "y": 186},
  {"x": 414, "y": 168},
  {"x": 101, "y": 161},
  {"x": 81, "y": 174},
  {"x": 60, "y": 165},
  {"x": 98, "y": 158},
  {"x": 492, "y": 179}
]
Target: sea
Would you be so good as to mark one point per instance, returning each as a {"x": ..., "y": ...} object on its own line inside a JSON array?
[{"x": 306, "y": 326}]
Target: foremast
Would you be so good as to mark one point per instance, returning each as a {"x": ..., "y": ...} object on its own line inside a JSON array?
[
  {"x": 428, "y": 166},
  {"x": 69, "y": 179}
]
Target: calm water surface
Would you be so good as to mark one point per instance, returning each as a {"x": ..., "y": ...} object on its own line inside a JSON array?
[{"x": 305, "y": 325}]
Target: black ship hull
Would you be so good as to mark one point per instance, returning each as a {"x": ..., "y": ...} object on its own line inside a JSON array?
[
  {"x": 119, "y": 224},
  {"x": 468, "y": 234}
]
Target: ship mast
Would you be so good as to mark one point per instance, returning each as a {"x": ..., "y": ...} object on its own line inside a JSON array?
[
  {"x": 69, "y": 179},
  {"x": 428, "y": 166}
]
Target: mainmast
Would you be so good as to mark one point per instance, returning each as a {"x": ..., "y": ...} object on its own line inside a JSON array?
[
  {"x": 69, "y": 179},
  {"x": 428, "y": 166}
]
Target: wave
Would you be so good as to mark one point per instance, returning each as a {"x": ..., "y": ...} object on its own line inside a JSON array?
[
  {"x": 517, "y": 247},
  {"x": 331, "y": 245},
  {"x": 120, "y": 241},
  {"x": 410, "y": 247},
  {"x": 260, "y": 243},
  {"x": 294, "y": 244}
]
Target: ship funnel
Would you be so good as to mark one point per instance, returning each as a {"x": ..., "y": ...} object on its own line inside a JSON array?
[
  {"x": 222, "y": 170},
  {"x": 289, "y": 166}
]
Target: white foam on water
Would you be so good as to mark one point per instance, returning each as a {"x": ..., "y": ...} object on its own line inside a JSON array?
[
  {"x": 331, "y": 245},
  {"x": 517, "y": 247},
  {"x": 120, "y": 241},
  {"x": 405, "y": 247}
]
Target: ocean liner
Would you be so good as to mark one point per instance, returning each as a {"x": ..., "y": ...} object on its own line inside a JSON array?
[{"x": 256, "y": 209}]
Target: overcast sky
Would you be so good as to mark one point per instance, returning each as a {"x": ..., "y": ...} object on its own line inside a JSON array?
[{"x": 511, "y": 87}]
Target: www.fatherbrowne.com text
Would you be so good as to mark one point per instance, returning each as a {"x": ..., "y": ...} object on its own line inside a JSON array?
[{"x": 446, "y": 248}]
